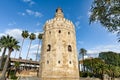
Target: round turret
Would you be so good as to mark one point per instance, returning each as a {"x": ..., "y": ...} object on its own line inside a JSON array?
[{"x": 59, "y": 53}]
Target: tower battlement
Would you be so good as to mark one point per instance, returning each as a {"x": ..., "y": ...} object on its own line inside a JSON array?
[{"x": 57, "y": 22}]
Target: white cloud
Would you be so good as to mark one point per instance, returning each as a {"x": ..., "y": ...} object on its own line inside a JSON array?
[
  {"x": 30, "y": 12},
  {"x": 80, "y": 42},
  {"x": 37, "y": 14},
  {"x": 38, "y": 24},
  {"x": 34, "y": 13},
  {"x": 22, "y": 13},
  {"x": 77, "y": 24},
  {"x": 16, "y": 33},
  {"x": 35, "y": 46},
  {"x": 30, "y": 2},
  {"x": 104, "y": 48},
  {"x": 89, "y": 13},
  {"x": 11, "y": 23},
  {"x": 1, "y": 34}
]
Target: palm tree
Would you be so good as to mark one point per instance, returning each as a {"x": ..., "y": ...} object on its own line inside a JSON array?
[
  {"x": 83, "y": 52},
  {"x": 12, "y": 44},
  {"x": 39, "y": 37},
  {"x": 15, "y": 53},
  {"x": 25, "y": 35},
  {"x": 31, "y": 37},
  {"x": 17, "y": 64},
  {"x": 3, "y": 44}
]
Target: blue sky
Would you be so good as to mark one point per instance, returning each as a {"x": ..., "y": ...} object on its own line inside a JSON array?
[{"x": 31, "y": 15}]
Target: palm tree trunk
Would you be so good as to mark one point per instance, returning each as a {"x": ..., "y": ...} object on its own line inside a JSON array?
[
  {"x": 6, "y": 66},
  {"x": 37, "y": 53},
  {"x": 83, "y": 63},
  {"x": 21, "y": 48},
  {"x": 37, "y": 50},
  {"x": 2, "y": 57},
  {"x": 28, "y": 51},
  {"x": 15, "y": 54}
]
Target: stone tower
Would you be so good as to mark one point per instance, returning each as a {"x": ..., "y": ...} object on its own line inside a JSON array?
[{"x": 59, "y": 54}]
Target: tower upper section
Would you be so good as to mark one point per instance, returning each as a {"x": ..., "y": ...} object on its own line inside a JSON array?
[
  {"x": 59, "y": 22},
  {"x": 59, "y": 13}
]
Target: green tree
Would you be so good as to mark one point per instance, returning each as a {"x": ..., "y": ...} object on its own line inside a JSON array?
[
  {"x": 12, "y": 44},
  {"x": 3, "y": 44},
  {"x": 110, "y": 58},
  {"x": 39, "y": 37},
  {"x": 83, "y": 52},
  {"x": 96, "y": 66},
  {"x": 17, "y": 64},
  {"x": 107, "y": 12},
  {"x": 25, "y": 35}
]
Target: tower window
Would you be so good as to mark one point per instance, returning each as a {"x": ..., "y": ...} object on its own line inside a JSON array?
[
  {"x": 70, "y": 62},
  {"x": 69, "y": 48},
  {"x": 59, "y": 62},
  {"x": 47, "y": 62},
  {"x": 68, "y": 33},
  {"x": 59, "y": 31},
  {"x": 49, "y": 47},
  {"x": 49, "y": 32}
]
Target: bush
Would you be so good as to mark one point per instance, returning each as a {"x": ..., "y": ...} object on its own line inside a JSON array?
[
  {"x": 86, "y": 74},
  {"x": 13, "y": 75}
]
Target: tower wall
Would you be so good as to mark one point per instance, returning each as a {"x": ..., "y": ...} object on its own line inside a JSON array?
[{"x": 59, "y": 54}]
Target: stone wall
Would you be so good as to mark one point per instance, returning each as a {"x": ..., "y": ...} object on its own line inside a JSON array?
[
  {"x": 98, "y": 79},
  {"x": 59, "y": 59}
]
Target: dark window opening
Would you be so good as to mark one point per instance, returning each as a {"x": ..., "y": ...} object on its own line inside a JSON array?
[
  {"x": 68, "y": 32},
  {"x": 47, "y": 62},
  {"x": 59, "y": 31},
  {"x": 59, "y": 62},
  {"x": 69, "y": 48},
  {"x": 49, "y": 32},
  {"x": 49, "y": 47},
  {"x": 70, "y": 62}
]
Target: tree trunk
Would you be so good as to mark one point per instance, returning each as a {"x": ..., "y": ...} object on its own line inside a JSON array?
[
  {"x": 15, "y": 54},
  {"x": 37, "y": 53},
  {"x": 83, "y": 62},
  {"x": 28, "y": 49},
  {"x": 5, "y": 66},
  {"x": 38, "y": 49},
  {"x": 2, "y": 57},
  {"x": 28, "y": 52},
  {"x": 21, "y": 48}
]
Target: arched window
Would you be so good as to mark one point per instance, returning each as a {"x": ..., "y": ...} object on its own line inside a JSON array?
[
  {"x": 47, "y": 62},
  {"x": 49, "y": 32},
  {"x": 70, "y": 62},
  {"x": 68, "y": 33},
  {"x": 49, "y": 47},
  {"x": 69, "y": 48},
  {"x": 59, "y": 31},
  {"x": 59, "y": 62}
]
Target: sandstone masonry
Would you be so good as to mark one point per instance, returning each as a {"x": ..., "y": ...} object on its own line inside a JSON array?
[{"x": 59, "y": 54}]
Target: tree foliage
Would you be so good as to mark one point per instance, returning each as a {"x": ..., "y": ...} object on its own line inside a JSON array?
[
  {"x": 25, "y": 34},
  {"x": 83, "y": 52},
  {"x": 110, "y": 58},
  {"x": 107, "y": 12},
  {"x": 12, "y": 44},
  {"x": 98, "y": 67}
]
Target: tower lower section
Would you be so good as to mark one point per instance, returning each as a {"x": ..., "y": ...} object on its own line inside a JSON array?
[{"x": 60, "y": 78}]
